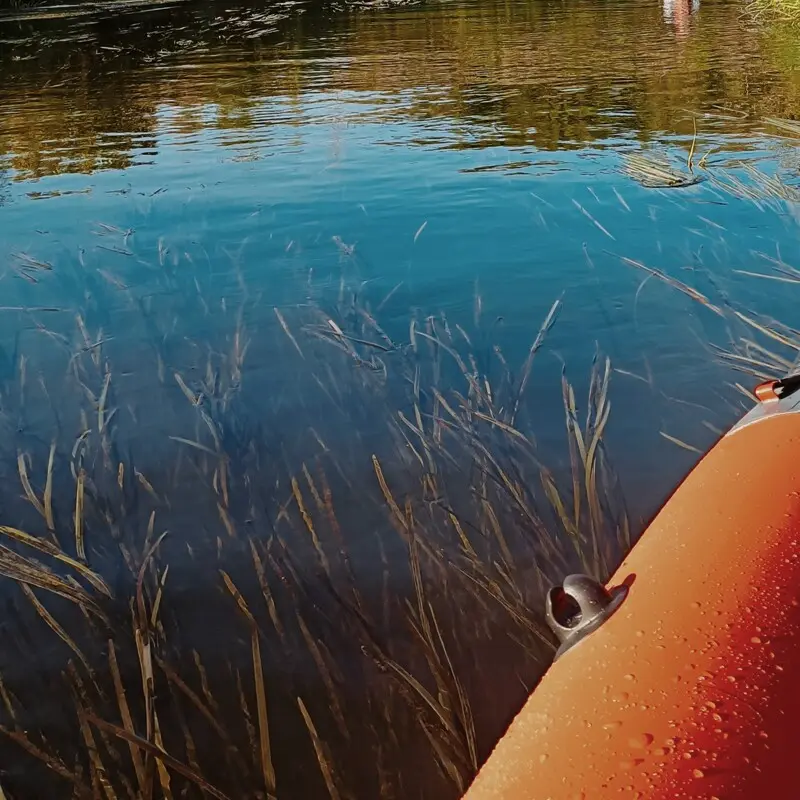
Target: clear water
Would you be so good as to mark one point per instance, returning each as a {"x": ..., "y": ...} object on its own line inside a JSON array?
[
  {"x": 451, "y": 143},
  {"x": 183, "y": 169}
]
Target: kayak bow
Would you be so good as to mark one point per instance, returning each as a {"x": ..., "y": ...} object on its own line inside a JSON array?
[{"x": 685, "y": 684}]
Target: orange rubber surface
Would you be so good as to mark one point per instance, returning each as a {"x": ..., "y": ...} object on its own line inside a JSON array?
[{"x": 692, "y": 688}]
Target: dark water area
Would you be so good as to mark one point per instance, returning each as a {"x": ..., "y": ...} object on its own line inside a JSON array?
[{"x": 270, "y": 275}]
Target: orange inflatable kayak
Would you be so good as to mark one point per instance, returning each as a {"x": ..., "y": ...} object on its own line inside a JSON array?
[{"x": 681, "y": 678}]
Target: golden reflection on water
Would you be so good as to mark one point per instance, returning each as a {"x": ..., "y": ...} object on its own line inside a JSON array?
[{"x": 81, "y": 96}]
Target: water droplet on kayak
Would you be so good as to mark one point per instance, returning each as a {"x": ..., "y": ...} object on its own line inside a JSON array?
[
  {"x": 630, "y": 677},
  {"x": 698, "y": 773},
  {"x": 641, "y": 741},
  {"x": 756, "y": 640},
  {"x": 620, "y": 697},
  {"x": 611, "y": 726},
  {"x": 543, "y": 757},
  {"x": 630, "y": 763}
]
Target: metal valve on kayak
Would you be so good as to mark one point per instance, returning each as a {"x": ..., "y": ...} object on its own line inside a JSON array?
[{"x": 579, "y": 606}]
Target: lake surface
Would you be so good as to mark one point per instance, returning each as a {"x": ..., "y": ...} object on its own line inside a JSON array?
[
  {"x": 450, "y": 143},
  {"x": 191, "y": 192}
]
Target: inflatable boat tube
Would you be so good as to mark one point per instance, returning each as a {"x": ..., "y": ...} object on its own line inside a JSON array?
[{"x": 680, "y": 679}]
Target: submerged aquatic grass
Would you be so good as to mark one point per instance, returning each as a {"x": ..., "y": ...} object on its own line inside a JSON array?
[
  {"x": 232, "y": 595},
  {"x": 657, "y": 171},
  {"x": 292, "y": 558},
  {"x": 757, "y": 345},
  {"x": 783, "y": 10}
]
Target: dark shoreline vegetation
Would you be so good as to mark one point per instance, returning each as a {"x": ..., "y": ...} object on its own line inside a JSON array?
[
  {"x": 90, "y": 4},
  {"x": 788, "y": 10},
  {"x": 210, "y": 597}
]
